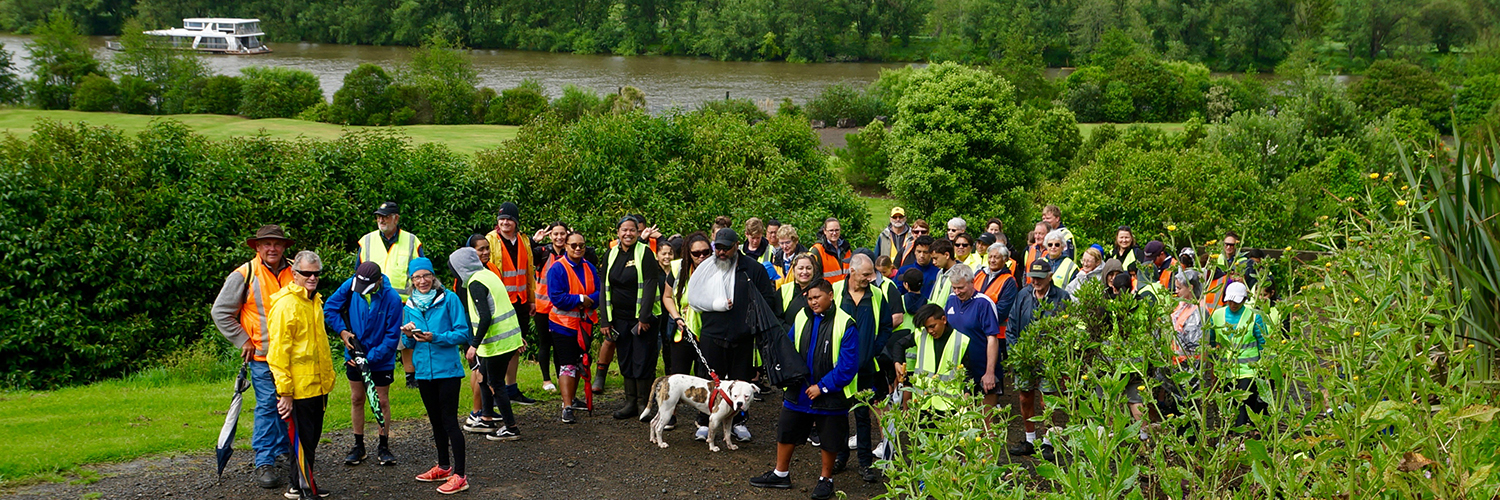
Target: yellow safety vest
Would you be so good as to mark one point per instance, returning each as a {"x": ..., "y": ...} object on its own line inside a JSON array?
[
  {"x": 943, "y": 380},
  {"x": 840, "y": 326},
  {"x": 504, "y": 334},
  {"x": 392, "y": 263},
  {"x": 605, "y": 309},
  {"x": 1243, "y": 352}
]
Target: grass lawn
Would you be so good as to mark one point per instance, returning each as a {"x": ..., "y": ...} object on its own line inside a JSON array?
[
  {"x": 1087, "y": 129},
  {"x": 48, "y": 433},
  {"x": 880, "y": 214},
  {"x": 465, "y": 139}
]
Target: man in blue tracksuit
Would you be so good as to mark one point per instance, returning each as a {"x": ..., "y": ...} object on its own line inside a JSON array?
[
  {"x": 923, "y": 262},
  {"x": 367, "y": 308}
]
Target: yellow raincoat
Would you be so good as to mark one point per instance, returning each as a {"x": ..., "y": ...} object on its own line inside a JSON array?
[{"x": 298, "y": 353}]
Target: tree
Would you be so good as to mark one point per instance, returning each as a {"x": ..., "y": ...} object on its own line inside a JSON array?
[
  {"x": 1447, "y": 24},
  {"x": 171, "y": 73},
  {"x": 959, "y": 143},
  {"x": 1368, "y": 27},
  {"x": 364, "y": 99},
  {"x": 273, "y": 92},
  {"x": 60, "y": 58},
  {"x": 443, "y": 79},
  {"x": 1391, "y": 84},
  {"x": 516, "y": 106},
  {"x": 11, "y": 87},
  {"x": 95, "y": 93}
]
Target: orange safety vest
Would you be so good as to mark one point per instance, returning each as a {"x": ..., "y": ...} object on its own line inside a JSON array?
[
  {"x": 835, "y": 269},
  {"x": 514, "y": 276},
  {"x": 1165, "y": 277},
  {"x": 260, "y": 284},
  {"x": 993, "y": 292},
  {"x": 574, "y": 319},
  {"x": 1032, "y": 254},
  {"x": 1213, "y": 296},
  {"x": 544, "y": 303},
  {"x": 1179, "y": 320}
]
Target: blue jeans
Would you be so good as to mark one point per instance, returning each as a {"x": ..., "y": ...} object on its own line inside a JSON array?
[{"x": 269, "y": 439}]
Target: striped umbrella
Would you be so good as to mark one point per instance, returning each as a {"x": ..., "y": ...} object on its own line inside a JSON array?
[{"x": 225, "y": 446}]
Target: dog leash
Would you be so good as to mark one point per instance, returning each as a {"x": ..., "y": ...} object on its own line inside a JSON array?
[{"x": 714, "y": 390}]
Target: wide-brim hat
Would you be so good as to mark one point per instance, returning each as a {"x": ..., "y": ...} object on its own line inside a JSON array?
[{"x": 268, "y": 232}]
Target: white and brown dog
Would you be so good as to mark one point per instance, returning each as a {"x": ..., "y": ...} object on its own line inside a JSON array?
[{"x": 667, "y": 391}]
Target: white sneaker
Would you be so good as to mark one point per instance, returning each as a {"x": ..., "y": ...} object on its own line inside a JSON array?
[
  {"x": 884, "y": 451},
  {"x": 741, "y": 433},
  {"x": 815, "y": 441},
  {"x": 549, "y": 387},
  {"x": 702, "y": 434},
  {"x": 853, "y": 442}
]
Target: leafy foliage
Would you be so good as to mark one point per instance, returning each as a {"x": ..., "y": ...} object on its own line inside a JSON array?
[
  {"x": 845, "y": 101},
  {"x": 365, "y": 98},
  {"x": 1393, "y": 84},
  {"x": 516, "y": 106},
  {"x": 277, "y": 92},
  {"x": 95, "y": 93},
  {"x": 440, "y": 84},
  {"x": 866, "y": 165},
  {"x": 60, "y": 58}
]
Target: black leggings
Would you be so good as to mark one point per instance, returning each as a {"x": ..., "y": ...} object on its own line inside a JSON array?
[
  {"x": 543, "y": 346},
  {"x": 307, "y": 424},
  {"x": 684, "y": 358},
  {"x": 440, "y": 397},
  {"x": 494, "y": 376}
]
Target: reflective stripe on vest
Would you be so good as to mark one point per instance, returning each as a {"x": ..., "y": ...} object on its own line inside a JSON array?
[
  {"x": 834, "y": 268},
  {"x": 940, "y": 379},
  {"x": 1241, "y": 346},
  {"x": 640, "y": 282},
  {"x": 260, "y": 285},
  {"x": 841, "y": 322},
  {"x": 941, "y": 290},
  {"x": 996, "y": 286},
  {"x": 504, "y": 333},
  {"x": 544, "y": 303},
  {"x": 512, "y": 274},
  {"x": 788, "y": 292},
  {"x": 1064, "y": 272},
  {"x": 573, "y": 319},
  {"x": 393, "y": 262}
]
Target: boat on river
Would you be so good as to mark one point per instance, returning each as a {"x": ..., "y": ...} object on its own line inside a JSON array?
[{"x": 218, "y": 35}]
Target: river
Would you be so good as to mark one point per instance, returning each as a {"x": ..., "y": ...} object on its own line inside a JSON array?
[{"x": 667, "y": 81}]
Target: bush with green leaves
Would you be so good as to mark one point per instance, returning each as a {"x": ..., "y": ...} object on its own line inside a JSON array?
[
  {"x": 517, "y": 106},
  {"x": 960, "y": 145},
  {"x": 137, "y": 95},
  {"x": 698, "y": 166},
  {"x": 12, "y": 89},
  {"x": 218, "y": 94},
  {"x": 1137, "y": 88},
  {"x": 95, "y": 93},
  {"x": 577, "y": 102},
  {"x": 277, "y": 92},
  {"x": 170, "y": 76},
  {"x": 364, "y": 99},
  {"x": 1391, "y": 84},
  {"x": 865, "y": 162},
  {"x": 840, "y": 101},
  {"x": 745, "y": 108},
  {"x": 1479, "y": 96},
  {"x": 60, "y": 59},
  {"x": 440, "y": 83}
]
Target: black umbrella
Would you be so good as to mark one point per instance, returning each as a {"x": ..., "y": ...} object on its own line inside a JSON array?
[
  {"x": 357, "y": 354},
  {"x": 225, "y": 447}
]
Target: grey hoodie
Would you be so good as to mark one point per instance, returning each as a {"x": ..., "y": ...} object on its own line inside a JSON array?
[{"x": 465, "y": 262}]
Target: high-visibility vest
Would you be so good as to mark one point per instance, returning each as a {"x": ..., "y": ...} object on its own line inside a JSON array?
[
  {"x": 1213, "y": 296},
  {"x": 788, "y": 292},
  {"x": 975, "y": 261},
  {"x": 260, "y": 285},
  {"x": 514, "y": 274},
  {"x": 392, "y": 262},
  {"x": 640, "y": 281},
  {"x": 834, "y": 267},
  {"x": 841, "y": 323},
  {"x": 574, "y": 318},
  {"x": 689, "y": 315},
  {"x": 943, "y": 380},
  {"x": 942, "y": 289},
  {"x": 876, "y": 294},
  {"x": 1180, "y": 317},
  {"x": 504, "y": 334},
  {"x": 1124, "y": 262},
  {"x": 1243, "y": 351},
  {"x": 996, "y": 286},
  {"x": 543, "y": 302},
  {"x": 1064, "y": 273}
]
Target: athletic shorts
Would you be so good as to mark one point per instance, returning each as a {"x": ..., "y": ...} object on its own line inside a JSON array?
[
  {"x": 794, "y": 427},
  {"x": 381, "y": 378}
]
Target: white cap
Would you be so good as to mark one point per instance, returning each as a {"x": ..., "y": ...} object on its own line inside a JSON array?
[{"x": 1236, "y": 292}]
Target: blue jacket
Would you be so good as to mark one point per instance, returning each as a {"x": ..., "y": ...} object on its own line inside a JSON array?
[
  {"x": 377, "y": 325},
  {"x": 449, "y": 325},
  {"x": 557, "y": 290},
  {"x": 929, "y": 277}
]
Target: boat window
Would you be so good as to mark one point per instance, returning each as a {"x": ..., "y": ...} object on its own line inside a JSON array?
[
  {"x": 194, "y": 25},
  {"x": 211, "y": 42}
]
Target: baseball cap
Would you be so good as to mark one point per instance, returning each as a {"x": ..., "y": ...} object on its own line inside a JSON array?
[
  {"x": 1039, "y": 269},
  {"x": 388, "y": 208},
  {"x": 1236, "y": 292},
  {"x": 1187, "y": 251},
  {"x": 367, "y": 278},
  {"x": 726, "y": 238},
  {"x": 897, "y": 211},
  {"x": 1154, "y": 248}
]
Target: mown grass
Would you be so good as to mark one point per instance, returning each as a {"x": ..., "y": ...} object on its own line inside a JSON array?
[
  {"x": 465, "y": 139},
  {"x": 176, "y": 408}
]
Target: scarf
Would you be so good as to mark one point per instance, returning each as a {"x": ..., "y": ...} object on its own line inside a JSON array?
[{"x": 424, "y": 301}]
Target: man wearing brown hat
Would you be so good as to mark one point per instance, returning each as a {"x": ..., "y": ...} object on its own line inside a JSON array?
[
  {"x": 392, "y": 249},
  {"x": 240, "y": 315}
]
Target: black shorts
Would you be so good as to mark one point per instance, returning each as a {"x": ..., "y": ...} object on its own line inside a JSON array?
[
  {"x": 381, "y": 378},
  {"x": 565, "y": 349},
  {"x": 794, "y": 427}
]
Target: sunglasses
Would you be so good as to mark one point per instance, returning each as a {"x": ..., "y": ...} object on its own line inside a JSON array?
[
  {"x": 575, "y": 246},
  {"x": 919, "y": 231},
  {"x": 702, "y": 253},
  {"x": 961, "y": 245},
  {"x": 898, "y": 216},
  {"x": 309, "y": 274},
  {"x": 1228, "y": 244},
  {"x": 1054, "y": 245}
]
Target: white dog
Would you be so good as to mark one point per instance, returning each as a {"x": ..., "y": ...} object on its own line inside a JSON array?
[{"x": 666, "y": 392}]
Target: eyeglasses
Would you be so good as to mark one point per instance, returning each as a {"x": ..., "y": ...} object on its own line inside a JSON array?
[
  {"x": 1054, "y": 245},
  {"x": 309, "y": 274},
  {"x": 702, "y": 253},
  {"x": 575, "y": 246},
  {"x": 1229, "y": 244}
]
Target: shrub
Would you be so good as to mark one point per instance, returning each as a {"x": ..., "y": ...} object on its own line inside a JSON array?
[
  {"x": 95, "y": 93},
  {"x": 275, "y": 92},
  {"x": 219, "y": 94},
  {"x": 1391, "y": 84},
  {"x": 442, "y": 79},
  {"x": 136, "y": 94},
  {"x": 577, "y": 102},
  {"x": 1060, "y": 140},
  {"x": 959, "y": 143},
  {"x": 60, "y": 59},
  {"x": 11, "y": 87},
  {"x": 844, "y": 101},
  {"x": 315, "y": 113},
  {"x": 364, "y": 99},
  {"x": 742, "y": 107},
  {"x": 626, "y": 100},
  {"x": 866, "y": 164},
  {"x": 516, "y": 106},
  {"x": 1478, "y": 96}
]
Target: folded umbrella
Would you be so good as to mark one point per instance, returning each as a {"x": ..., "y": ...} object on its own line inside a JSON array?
[
  {"x": 357, "y": 354},
  {"x": 225, "y": 447}
]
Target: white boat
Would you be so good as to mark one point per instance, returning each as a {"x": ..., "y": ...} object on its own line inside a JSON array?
[{"x": 218, "y": 35}]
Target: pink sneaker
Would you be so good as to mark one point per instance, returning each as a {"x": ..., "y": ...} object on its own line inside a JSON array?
[
  {"x": 435, "y": 474},
  {"x": 454, "y": 484}
]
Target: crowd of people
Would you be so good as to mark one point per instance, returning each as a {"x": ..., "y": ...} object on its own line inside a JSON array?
[{"x": 881, "y": 320}]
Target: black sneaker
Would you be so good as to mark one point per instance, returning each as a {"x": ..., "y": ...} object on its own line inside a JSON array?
[
  {"x": 671, "y": 423},
  {"x": 870, "y": 474},
  {"x": 503, "y": 434},
  {"x": 1048, "y": 453},
  {"x": 567, "y": 416},
  {"x": 824, "y": 490},
  {"x": 355, "y": 456},
  {"x": 295, "y": 493},
  {"x": 522, "y": 400},
  {"x": 1023, "y": 448},
  {"x": 411, "y": 381},
  {"x": 840, "y": 464},
  {"x": 771, "y": 480},
  {"x": 384, "y": 455},
  {"x": 580, "y": 405},
  {"x": 481, "y": 427},
  {"x": 267, "y": 477}
]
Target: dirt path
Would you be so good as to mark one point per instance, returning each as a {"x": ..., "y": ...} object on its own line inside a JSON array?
[{"x": 598, "y": 457}]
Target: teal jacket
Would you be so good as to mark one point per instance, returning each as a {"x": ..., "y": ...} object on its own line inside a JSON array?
[{"x": 449, "y": 325}]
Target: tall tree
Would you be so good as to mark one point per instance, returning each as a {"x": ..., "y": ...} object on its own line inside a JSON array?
[
  {"x": 60, "y": 58},
  {"x": 1369, "y": 27}
]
